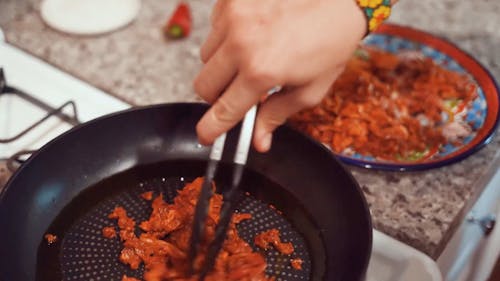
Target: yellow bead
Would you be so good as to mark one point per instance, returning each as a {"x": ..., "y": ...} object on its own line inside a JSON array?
[{"x": 374, "y": 3}]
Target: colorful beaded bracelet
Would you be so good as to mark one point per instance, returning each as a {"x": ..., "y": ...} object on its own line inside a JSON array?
[{"x": 376, "y": 11}]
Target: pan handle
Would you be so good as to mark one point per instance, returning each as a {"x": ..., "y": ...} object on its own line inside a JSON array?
[{"x": 16, "y": 160}]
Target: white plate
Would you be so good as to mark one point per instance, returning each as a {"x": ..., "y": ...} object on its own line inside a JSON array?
[{"x": 88, "y": 17}]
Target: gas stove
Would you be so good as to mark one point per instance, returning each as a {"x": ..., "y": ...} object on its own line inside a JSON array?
[{"x": 38, "y": 102}]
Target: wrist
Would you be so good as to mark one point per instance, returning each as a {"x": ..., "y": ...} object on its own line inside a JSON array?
[{"x": 355, "y": 16}]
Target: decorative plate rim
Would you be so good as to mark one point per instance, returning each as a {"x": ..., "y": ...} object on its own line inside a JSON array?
[{"x": 468, "y": 62}]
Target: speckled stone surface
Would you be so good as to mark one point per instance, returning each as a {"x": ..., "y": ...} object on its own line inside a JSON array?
[{"x": 138, "y": 65}]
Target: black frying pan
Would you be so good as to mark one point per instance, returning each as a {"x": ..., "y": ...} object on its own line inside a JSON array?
[{"x": 69, "y": 186}]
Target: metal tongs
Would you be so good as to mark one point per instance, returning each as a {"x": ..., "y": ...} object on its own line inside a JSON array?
[
  {"x": 230, "y": 197},
  {"x": 201, "y": 211}
]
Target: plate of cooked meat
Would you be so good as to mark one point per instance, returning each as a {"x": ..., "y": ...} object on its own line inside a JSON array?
[{"x": 407, "y": 100}]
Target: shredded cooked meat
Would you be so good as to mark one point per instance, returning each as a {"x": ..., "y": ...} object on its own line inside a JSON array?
[
  {"x": 272, "y": 237},
  {"x": 109, "y": 232},
  {"x": 148, "y": 195},
  {"x": 389, "y": 107},
  {"x": 126, "y": 278},
  {"x": 51, "y": 238},
  {"x": 296, "y": 264},
  {"x": 162, "y": 246},
  {"x": 275, "y": 209}
]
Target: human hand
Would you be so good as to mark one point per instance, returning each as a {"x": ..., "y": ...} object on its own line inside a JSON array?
[{"x": 256, "y": 45}]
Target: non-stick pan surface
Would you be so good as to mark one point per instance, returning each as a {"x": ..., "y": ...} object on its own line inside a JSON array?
[{"x": 62, "y": 187}]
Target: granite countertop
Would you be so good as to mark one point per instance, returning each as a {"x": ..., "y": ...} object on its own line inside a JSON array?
[{"x": 136, "y": 64}]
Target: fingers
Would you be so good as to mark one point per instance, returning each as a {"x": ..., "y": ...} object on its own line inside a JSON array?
[
  {"x": 217, "y": 11},
  {"x": 215, "y": 76},
  {"x": 228, "y": 110},
  {"x": 217, "y": 33},
  {"x": 277, "y": 108},
  {"x": 213, "y": 42}
]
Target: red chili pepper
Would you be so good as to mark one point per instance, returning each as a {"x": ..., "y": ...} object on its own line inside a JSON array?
[{"x": 179, "y": 25}]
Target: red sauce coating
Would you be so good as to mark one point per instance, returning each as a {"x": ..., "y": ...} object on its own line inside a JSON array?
[
  {"x": 109, "y": 232},
  {"x": 126, "y": 278},
  {"x": 272, "y": 237},
  {"x": 296, "y": 263},
  {"x": 148, "y": 195},
  {"x": 51, "y": 238}
]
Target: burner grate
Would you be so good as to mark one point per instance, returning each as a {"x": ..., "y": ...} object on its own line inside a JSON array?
[{"x": 72, "y": 119}]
